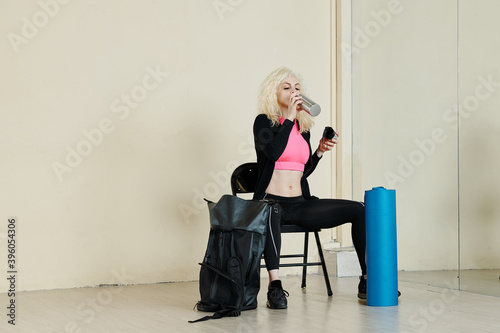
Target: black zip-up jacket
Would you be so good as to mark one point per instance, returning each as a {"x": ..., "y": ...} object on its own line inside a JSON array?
[{"x": 270, "y": 142}]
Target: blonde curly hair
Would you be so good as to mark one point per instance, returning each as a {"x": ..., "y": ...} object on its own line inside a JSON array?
[{"x": 268, "y": 99}]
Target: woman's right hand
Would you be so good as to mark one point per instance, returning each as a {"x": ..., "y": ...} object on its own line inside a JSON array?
[{"x": 294, "y": 105}]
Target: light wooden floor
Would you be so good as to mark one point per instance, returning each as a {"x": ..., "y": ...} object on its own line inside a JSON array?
[
  {"x": 168, "y": 307},
  {"x": 480, "y": 281}
]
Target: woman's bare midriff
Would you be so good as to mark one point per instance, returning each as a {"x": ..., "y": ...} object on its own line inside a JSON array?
[{"x": 285, "y": 183}]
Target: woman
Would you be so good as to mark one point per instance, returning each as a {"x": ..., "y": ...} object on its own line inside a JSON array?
[{"x": 285, "y": 160}]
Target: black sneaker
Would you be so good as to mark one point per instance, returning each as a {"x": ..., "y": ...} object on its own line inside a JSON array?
[
  {"x": 276, "y": 296},
  {"x": 362, "y": 287}
]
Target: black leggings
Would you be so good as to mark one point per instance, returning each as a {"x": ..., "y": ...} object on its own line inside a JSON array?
[{"x": 319, "y": 213}]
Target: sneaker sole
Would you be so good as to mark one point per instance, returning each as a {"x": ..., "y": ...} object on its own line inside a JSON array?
[{"x": 275, "y": 307}]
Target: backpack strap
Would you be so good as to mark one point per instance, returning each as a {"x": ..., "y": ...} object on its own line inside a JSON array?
[
  {"x": 219, "y": 314},
  {"x": 236, "y": 277}
]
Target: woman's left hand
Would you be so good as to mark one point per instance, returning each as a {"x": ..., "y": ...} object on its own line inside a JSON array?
[{"x": 325, "y": 145}]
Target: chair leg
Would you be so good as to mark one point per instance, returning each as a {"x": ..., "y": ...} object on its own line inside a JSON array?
[
  {"x": 304, "y": 268},
  {"x": 323, "y": 264}
]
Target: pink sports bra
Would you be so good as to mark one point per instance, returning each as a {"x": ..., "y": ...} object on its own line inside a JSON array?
[{"x": 296, "y": 153}]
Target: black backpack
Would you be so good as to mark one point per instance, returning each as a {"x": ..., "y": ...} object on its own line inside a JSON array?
[{"x": 230, "y": 271}]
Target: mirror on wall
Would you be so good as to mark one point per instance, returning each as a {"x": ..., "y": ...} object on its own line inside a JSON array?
[
  {"x": 404, "y": 84},
  {"x": 425, "y": 122},
  {"x": 478, "y": 126}
]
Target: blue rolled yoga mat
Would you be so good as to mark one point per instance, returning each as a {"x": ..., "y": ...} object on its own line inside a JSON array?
[{"x": 381, "y": 247}]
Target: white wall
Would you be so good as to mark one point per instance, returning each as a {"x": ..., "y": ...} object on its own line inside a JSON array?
[{"x": 77, "y": 76}]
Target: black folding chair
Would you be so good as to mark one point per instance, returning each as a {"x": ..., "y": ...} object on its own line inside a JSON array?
[{"x": 244, "y": 180}]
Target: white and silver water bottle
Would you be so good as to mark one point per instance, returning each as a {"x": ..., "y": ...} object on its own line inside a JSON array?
[{"x": 310, "y": 106}]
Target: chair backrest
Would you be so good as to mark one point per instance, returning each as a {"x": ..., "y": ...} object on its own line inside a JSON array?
[{"x": 244, "y": 178}]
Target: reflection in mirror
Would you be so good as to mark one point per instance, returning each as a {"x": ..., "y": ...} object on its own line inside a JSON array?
[
  {"x": 404, "y": 84},
  {"x": 479, "y": 154}
]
